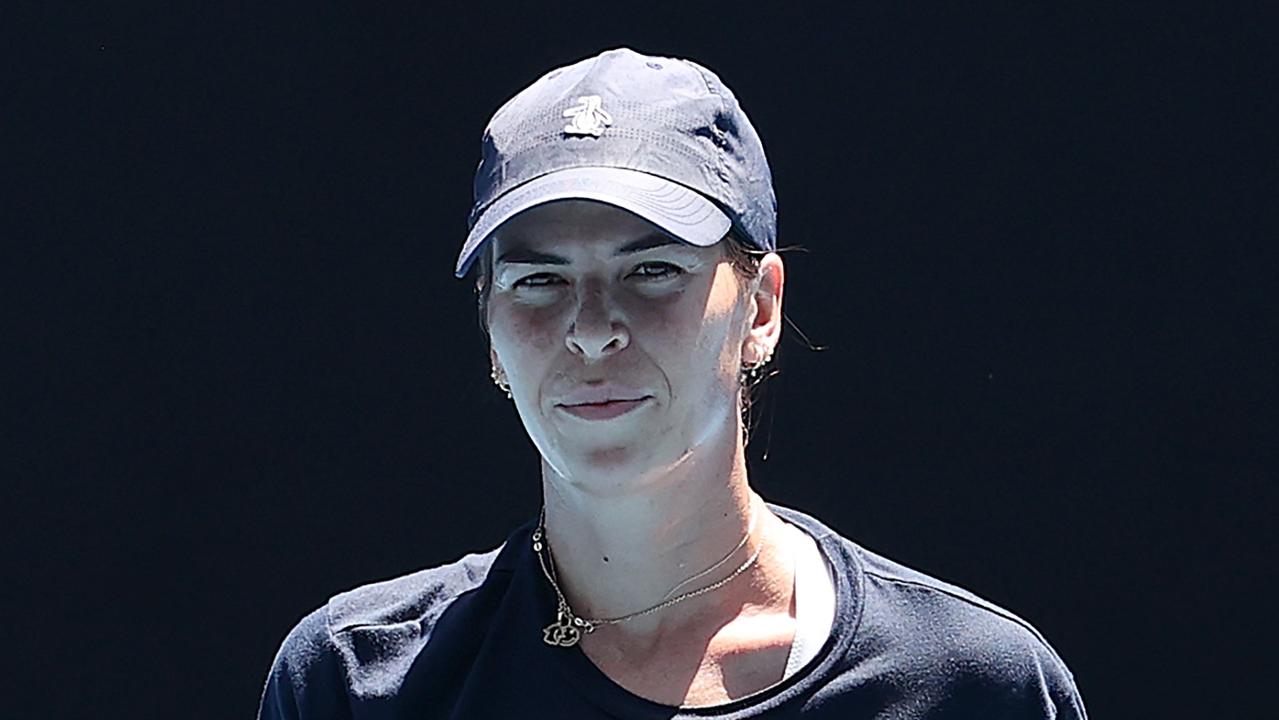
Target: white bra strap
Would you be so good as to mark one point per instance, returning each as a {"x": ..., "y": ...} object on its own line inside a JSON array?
[{"x": 814, "y": 600}]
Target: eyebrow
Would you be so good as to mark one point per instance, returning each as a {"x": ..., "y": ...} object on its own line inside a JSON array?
[{"x": 525, "y": 256}]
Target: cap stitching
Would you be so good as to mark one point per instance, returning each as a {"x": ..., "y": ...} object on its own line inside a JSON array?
[
  {"x": 637, "y": 133},
  {"x": 534, "y": 131}
]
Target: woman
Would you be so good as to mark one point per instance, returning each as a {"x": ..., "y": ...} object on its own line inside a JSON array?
[{"x": 623, "y": 239}]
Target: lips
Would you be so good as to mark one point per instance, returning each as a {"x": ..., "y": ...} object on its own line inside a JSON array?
[
  {"x": 602, "y": 402},
  {"x": 600, "y": 395},
  {"x": 604, "y": 410}
]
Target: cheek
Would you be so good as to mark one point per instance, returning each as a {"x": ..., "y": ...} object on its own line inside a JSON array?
[
  {"x": 725, "y": 320},
  {"x": 664, "y": 324},
  {"x": 522, "y": 336},
  {"x": 692, "y": 337}
]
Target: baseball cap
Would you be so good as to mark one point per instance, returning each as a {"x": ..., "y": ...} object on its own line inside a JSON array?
[{"x": 660, "y": 137}]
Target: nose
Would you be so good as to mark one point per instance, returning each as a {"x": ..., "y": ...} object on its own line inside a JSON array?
[{"x": 596, "y": 331}]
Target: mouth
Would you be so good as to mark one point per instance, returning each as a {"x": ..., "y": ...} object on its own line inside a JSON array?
[{"x": 606, "y": 410}]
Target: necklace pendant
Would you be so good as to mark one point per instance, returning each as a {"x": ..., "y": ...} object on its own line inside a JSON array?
[{"x": 562, "y": 632}]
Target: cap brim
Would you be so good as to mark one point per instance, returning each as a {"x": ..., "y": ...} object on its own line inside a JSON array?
[{"x": 680, "y": 211}]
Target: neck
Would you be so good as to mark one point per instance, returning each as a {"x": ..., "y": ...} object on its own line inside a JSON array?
[{"x": 621, "y": 553}]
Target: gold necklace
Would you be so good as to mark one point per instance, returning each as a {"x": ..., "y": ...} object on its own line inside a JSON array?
[{"x": 568, "y": 627}]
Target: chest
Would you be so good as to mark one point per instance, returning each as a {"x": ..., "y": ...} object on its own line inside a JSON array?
[{"x": 727, "y": 667}]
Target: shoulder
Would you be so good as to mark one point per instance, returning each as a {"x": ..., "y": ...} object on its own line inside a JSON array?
[
  {"x": 913, "y": 592},
  {"x": 975, "y": 655},
  {"x": 360, "y": 639},
  {"x": 305, "y": 679},
  {"x": 935, "y": 645},
  {"x": 413, "y": 598}
]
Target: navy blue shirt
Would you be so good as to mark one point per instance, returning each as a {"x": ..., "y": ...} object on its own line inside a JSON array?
[{"x": 465, "y": 641}]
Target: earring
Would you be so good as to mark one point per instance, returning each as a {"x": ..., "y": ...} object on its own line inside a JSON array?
[
  {"x": 500, "y": 382},
  {"x": 751, "y": 371}
]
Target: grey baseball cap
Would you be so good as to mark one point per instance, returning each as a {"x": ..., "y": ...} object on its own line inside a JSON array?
[{"x": 660, "y": 137}]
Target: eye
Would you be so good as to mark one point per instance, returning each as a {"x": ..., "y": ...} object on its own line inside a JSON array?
[
  {"x": 655, "y": 270},
  {"x": 542, "y": 279}
]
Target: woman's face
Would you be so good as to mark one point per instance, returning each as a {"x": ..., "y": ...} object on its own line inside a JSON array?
[{"x": 621, "y": 346}]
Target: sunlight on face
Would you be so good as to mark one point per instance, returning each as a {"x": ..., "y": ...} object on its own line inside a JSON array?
[{"x": 621, "y": 345}]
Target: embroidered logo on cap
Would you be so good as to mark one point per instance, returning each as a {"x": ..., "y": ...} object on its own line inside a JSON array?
[{"x": 589, "y": 117}]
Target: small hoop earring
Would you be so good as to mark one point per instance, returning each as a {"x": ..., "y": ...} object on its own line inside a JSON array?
[
  {"x": 500, "y": 382},
  {"x": 751, "y": 371}
]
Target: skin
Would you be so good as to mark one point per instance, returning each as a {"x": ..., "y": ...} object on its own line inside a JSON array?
[{"x": 588, "y": 296}]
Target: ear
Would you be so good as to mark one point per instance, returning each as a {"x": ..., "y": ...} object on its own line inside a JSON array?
[
  {"x": 764, "y": 327},
  {"x": 498, "y": 370}
]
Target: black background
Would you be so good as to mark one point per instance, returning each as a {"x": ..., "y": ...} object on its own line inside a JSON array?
[{"x": 245, "y": 378}]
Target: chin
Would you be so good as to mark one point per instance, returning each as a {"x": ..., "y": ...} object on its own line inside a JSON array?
[{"x": 609, "y": 470}]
